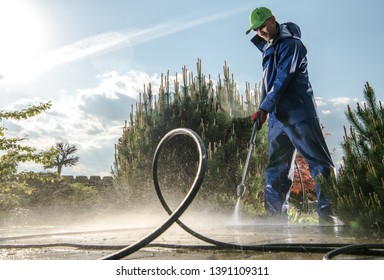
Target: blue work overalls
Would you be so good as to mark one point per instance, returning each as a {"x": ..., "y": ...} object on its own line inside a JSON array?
[{"x": 293, "y": 125}]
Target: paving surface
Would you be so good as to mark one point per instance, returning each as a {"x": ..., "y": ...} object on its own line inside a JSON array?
[{"x": 94, "y": 241}]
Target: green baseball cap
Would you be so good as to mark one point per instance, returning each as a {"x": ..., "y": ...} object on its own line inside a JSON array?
[{"x": 258, "y": 17}]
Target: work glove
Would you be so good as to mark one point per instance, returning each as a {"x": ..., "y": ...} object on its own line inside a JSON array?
[{"x": 259, "y": 118}]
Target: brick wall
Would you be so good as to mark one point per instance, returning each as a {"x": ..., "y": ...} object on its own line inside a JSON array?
[{"x": 96, "y": 181}]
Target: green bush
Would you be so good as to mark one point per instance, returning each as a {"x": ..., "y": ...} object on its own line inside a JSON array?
[
  {"x": 13, "y": 151},
  {"x": 82, "y": 196},
  {"x": 358, "y": 192},
  {"x": 219, "y": 114}
]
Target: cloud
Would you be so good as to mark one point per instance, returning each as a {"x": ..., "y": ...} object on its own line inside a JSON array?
[
  {"x": 113, "y": 84},
  {"x": 342, "y": 101},
  {"x": 326, "y": 112},
  {"x": 320, "y": 102},
  {"x": 90, "y": 118}
]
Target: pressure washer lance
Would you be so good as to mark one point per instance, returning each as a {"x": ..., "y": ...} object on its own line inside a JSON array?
[{"x": 241, "y": 187}]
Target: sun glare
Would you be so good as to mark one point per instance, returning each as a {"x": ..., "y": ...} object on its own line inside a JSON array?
[{"x": 22, "y": 38}]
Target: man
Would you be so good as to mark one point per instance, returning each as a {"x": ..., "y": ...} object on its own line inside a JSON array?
[{"x": 287, "y": 98}]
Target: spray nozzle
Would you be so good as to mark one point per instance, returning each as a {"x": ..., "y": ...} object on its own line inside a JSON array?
[{"x": 240, "y": 190}]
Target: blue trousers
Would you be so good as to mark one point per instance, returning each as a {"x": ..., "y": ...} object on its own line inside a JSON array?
[{"x": 283, "y": 140}]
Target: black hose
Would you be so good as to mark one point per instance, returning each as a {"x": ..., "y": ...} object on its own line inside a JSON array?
[
  {"x": 331, "y": 249},
  {"x": 269, "y": 247},
  {"x": 360, "y": 249},
  {"x": 174, "y": 216}
]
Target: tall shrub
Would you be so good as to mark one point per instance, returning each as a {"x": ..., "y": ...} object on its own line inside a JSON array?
[
  {"x": 358, "y": 193},
  {"x": 218, "y": 113}
]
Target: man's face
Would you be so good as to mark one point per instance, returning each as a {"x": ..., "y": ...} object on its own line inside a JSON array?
[{"x": 268, "y": 30}]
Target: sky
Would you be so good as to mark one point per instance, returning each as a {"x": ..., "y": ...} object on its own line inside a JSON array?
[{"x": 91, "y": 58}]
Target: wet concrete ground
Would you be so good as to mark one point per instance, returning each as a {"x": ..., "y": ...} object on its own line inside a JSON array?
[{"x": 92, "y": 242}]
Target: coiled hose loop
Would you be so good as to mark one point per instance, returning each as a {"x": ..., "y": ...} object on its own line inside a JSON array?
[
  {"x": 174, "y": 216},
  {"x": 331, "y": 249}
]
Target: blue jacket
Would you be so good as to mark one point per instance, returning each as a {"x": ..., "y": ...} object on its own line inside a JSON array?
[{"x": 286, "y": 91}]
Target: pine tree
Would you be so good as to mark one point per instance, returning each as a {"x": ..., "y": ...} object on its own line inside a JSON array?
[
  {"x": 219, "y": 114},
  {"x": 358, "y": 192}
]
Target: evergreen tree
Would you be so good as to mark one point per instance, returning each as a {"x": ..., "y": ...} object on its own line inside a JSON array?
[
  {"x": 358, "y": 192},
  {"x": 218, "y": 114}
]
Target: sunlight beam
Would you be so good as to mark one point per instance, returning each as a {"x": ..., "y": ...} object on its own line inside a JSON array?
[{"x": 104, "y": 43}]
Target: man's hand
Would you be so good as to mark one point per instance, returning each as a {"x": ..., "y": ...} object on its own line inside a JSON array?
[{"x": 259, "y": 117}]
